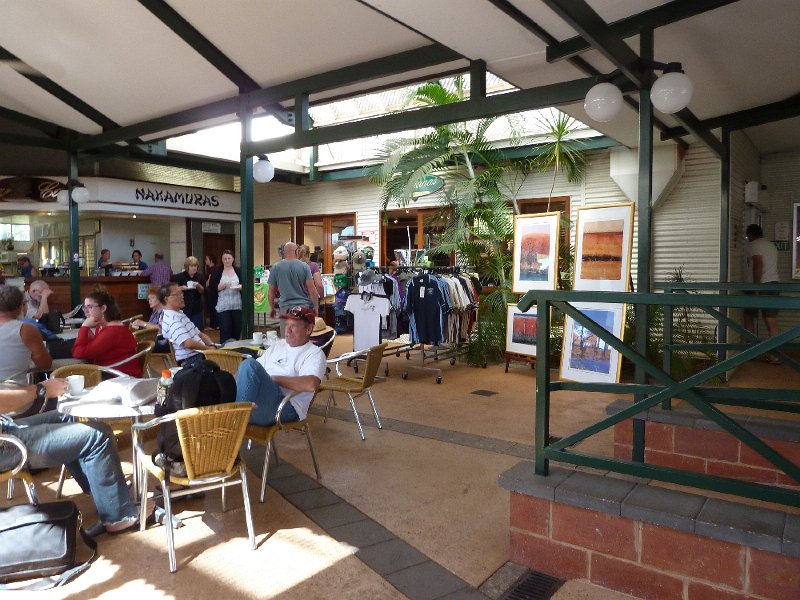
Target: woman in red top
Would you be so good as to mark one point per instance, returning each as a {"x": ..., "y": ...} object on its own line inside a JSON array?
[{"x": 103, "y": 339}]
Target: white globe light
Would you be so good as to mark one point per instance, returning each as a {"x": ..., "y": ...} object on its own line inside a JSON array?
[
  {"x": 62, "y": 197},
  {"x": 671, "y": 92},
  {"x": 603, "y": 102},
  {"x": 80, "y": 194},
  {"x": 263, "y": 171}
]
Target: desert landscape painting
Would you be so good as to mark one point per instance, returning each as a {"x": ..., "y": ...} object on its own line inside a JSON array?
[
  {"x": 535, "y": 257},
  {"x": 588, "y": 352},
  {"x": 601, "y": 256},
  {"x": 524, "y": 329}
]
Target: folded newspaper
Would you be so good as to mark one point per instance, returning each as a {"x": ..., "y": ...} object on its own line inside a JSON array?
[{"x": 131, "y": 391}]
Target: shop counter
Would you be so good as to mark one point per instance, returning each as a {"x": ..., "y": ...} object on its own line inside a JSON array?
[{"x": 125, "y": 289}]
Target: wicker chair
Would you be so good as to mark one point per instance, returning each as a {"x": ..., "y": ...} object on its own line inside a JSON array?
[
  {"x": 130, "y": 320},
  {"x": 20, "y": 471},
  {"x": 145, "y": 335},
  {"x": 168, "y": 359},
  {"x": 210, "y": 438},
  {"x": 92, "y": 374},
  {"x": 263, "y": 434},
  {"x": 228, "y": 360},
  {"x": 355, "y": 386}
]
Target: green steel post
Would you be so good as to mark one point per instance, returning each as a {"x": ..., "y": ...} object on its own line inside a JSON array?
[
  {"x": 643, "y": 204},
  {"x": 74, "y": 250},
  {"x": 246, "y": 233},
  {"x": 725, "y": 232},
  {"x": 542, "y": 434}
]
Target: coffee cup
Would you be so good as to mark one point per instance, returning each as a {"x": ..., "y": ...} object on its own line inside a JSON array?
[
  {"x": 272, "y": 337},
  {"x": 75, "y": 384},
  {"x": 258, "y": 337},
  {"x": 191, "y": 284}
]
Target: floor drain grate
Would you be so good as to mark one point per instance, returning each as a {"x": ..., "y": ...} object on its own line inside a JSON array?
[
  {"x": 533, "y": 586},
  {"x": 484, "y": 393}
]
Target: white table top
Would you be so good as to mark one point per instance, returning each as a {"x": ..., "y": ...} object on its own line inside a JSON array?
[
  {"x": 69, "y": 334},
  {"x": 101, "y": 409},
  {"x": 248, "y": 342}
]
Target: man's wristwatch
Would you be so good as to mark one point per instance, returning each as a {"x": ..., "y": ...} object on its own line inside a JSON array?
[{"x": 41, "y": 392}]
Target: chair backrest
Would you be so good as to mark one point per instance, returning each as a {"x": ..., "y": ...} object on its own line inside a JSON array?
[
  {"x": 324, "y": 342},
  {"x": 92, "y": 374},
  {"x": 228, "y": 360},
  {"x": 374, "y": 357},
  {"x": 145, "y": 335},
  {"x": 211, "y": 437},
  {"x": 130, "y": 320}
]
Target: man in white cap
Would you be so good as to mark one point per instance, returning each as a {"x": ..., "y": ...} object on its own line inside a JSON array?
[{"x": 292, "y": 278}]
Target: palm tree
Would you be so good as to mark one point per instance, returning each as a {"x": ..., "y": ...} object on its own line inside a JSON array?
[
  {"x": 561, "y": 152},
  {"x": 480, "y": 182}
]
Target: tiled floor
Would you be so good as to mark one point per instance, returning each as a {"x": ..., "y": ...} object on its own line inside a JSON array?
[{"x": 413, "y": 511}]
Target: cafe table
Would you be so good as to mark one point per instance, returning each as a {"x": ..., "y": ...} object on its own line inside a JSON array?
[{"x": 111, "y": 408}]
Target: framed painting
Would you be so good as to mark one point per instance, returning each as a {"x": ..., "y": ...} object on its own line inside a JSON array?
[
  {"x": 535, "y": 252},
  {"x": 521, "y": 330},
  {"x": 586, "y": 357},
  {"x": 603, "y": 240}
]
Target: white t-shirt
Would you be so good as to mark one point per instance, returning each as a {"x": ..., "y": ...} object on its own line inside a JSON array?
[
  {"x": 282, "y": 359},
  {"x": 769, "y": 260},
  {"x": 367, "y": 320}
]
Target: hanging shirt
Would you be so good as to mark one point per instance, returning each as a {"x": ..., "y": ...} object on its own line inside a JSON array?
[
  {"x": 367, "y": 313},
  {"x": 425, "y": 303}
]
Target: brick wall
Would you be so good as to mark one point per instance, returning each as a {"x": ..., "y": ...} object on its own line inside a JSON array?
[
  {"x": 643, "y": 559},
  {"x": 706, "y": 451}
]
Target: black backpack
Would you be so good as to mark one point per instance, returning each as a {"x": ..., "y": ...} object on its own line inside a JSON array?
[{"x": 202, "y": 383}]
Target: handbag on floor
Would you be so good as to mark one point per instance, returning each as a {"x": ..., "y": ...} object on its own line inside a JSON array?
[{"x": 39, "y": 541}]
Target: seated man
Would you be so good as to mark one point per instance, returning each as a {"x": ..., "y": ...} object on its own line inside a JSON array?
[
  {"x": 176, "y": 327},
  {"x": 87, "y": 449},
  {"x": 294, "y": 364},
  {"x": 38, "y": 292},
  {"x": 21, "y": 343}
]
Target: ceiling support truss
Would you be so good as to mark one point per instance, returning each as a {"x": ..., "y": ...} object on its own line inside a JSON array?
[{"x": 581, "y": 17}]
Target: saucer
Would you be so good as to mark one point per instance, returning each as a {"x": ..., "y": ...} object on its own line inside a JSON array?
[{"x": 80, "y": 394}]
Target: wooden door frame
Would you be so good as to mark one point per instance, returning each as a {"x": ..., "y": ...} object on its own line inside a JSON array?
[
  {"x": 266, "y": 223},
  {"x": 327, "y": 234}
]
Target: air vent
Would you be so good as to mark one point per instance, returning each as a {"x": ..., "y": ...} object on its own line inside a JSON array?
[{"x": 533, "y": 586}]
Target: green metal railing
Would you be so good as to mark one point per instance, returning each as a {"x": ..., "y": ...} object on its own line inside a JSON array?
[{"x": 706, "y": 399}]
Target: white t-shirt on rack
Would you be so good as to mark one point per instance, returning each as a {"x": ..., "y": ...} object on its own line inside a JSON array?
[{"x": 367, "y": 320}]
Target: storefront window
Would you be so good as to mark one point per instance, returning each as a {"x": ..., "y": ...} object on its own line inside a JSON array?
[{"x": 323, "y": 234}]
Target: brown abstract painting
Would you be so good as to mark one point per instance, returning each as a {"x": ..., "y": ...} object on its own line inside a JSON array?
[{"x": 602, "y": 250}]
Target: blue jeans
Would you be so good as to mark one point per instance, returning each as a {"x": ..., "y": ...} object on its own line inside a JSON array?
[
  {"x": 199, "y": 320},
  {"x": 253, "y": 384},
  {"x": 89, "y": 452}
]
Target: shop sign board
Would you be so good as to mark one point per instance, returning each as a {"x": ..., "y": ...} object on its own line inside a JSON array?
[
  {"x": 427, "y": 185},
  {"x": 211, "y": 227}
]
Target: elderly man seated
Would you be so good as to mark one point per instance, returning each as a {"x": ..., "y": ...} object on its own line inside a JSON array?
[
  {"x": 38, "y": 306},
  {"x": 179, "y": 329},
  {"x": 87, "y": 449},
  {"x": 294, "y": 364}
]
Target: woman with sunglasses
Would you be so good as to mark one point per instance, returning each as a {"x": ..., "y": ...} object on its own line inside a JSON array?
[{"x": 103, "y": 339}]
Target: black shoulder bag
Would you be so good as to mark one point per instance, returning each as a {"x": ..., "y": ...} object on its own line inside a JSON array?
[{"x": 38, "y": 541}]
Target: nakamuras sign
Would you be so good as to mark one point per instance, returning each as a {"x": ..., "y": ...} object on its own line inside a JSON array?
[{"x": 182, "y": 198}]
